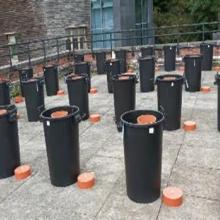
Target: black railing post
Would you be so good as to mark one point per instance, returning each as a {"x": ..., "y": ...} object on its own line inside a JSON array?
[
  {"x": 203, "y": 32},
  {"x": 58, "y": 51},
  {"x": 111, "y": 41},
  {"x": 91, "y": 41},
  {"x": 29, "y": 54},
  {"x": 44, "y": 51},
  {"x": 10, "y": 54},
  {"x": 73, "y": 53}
]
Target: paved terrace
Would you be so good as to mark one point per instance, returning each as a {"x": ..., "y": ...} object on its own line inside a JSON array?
[{"x": 190, "y": 161}]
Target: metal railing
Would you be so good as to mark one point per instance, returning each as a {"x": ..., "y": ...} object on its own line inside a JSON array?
[{"x": 54, "y": 48}]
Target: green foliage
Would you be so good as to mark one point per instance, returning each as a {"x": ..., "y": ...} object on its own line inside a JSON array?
[
  {"x": 15, "y": 89},
  {"x": 179, "y": 12},
  {"x": 204, "y": 10}
]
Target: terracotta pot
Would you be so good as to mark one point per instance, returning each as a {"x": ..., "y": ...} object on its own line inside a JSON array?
[
  {"x": 86, "y": 180},
  {"x": 169, "y": 78},
  {"x": 205, "y": 89},
  {"x": 18, "y": 99},
  {"x": 157, "y": 68},
  {"x": 3, "y": 111},
  {"x": 130, "y": 70},
  {"x": 172, "y": 196},
  {"x": 94, "y": 118},
  {"x": 181, "y": 68},
  {"x": 216, "y": 68},
  {"x": 189, "y": 126},
  {"x": 59, "y": 114},
  {"x": 22, "y": 172},
  {"x": 130, "y": 73},
  {"x": 75, "y": 77},
  {"x": 93, "y": 91},
  {"x": 60, "y": 92},
  {"x": 146, "y": 119},
  {"x": 123, "y": 77}
]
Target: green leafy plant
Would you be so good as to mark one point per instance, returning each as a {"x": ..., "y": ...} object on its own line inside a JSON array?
[
  {"x": 15, "y": 89},
  {"x": 179, "y": 12}
]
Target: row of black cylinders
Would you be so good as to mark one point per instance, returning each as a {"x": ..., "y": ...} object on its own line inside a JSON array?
[
  {"x": 146, "y": 186},
  {"x": 33, "y": 90},
  {"x": 206, "y": 50}
]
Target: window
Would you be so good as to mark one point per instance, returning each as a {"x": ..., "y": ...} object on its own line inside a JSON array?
[
  {"x": 78, "y": 37},
  {"x": 141, "y": 8},
  {"x": 102, "y": 22},
  {"x": 12, "y": 47}
]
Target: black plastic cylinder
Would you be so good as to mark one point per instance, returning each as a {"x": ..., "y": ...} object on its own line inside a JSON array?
[
  {"x": 143, "y": 155},
  {"x": 9, "y": 147},
  {"x": 122, "y": 56},
  {"x": 34, "y": 98},
  {"x": 147, "y": 51},
  {"x": 78, "y": 58},
  {"x": 100, "y": 62},
  {"x": 78, "y": 93},
  {"x": 147, "y": 73},
  {"x": 169, "y": 97},
  {"x": 124, "y": 87},
  {"x": 217, "y": 78},
  {"x": 62, "y": 144},
  {"x": 193, "y": 72},
  {"x": 169, "y": 58},
  {"x": 25, "y": 74},
  {"x": 84, "y": 68},
  {"x": 112, "y": 68},
  {"x": 206, "y": 51},
  {"x": 51, "y": 79},
  {"x": 4, "y": 92}
]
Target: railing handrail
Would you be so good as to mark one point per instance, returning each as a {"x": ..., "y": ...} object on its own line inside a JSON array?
[
  {"x": 112, "y": 32},
  {"x": 46, "y": 46}
]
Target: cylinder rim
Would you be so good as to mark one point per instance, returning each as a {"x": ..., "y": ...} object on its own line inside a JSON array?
[
  {"x": 59, "y": 108},
  {"x": 177, "y": 78},
  {"x": 130, "y": 124}
]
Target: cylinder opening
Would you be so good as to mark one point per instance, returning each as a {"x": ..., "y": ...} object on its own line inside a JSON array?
[
  {"x": 49, "y": 66},
  {"x": 31, "y": 80},
  {"x": 169, "y": 78},
  {"x": 193, "y": 56},
  {"x": 4, "y": 81},
  {"x": 130, "y": 118},
  {"x": 74, "y": 76},
  {"x": 59, "y": 112},
  {"x": 146, "y": 119},
  {"x": 123, "y": 77},
  {"x": 3, "y": 112}
]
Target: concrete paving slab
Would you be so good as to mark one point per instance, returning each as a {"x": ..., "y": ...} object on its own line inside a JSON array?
[
  {"x": 192, "y": 208},
  {"x": 199, "y": 157},
  {"x": 189, "y": 160},
  {"x": 197, "y": 181}
]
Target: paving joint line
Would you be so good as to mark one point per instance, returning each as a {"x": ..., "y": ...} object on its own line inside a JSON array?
[
  {"x": 203, "y": 197},
  {"x": 17, "y": 188},
  {"x": 180, "y": 147},
  {"x": 109, "y": 194}
]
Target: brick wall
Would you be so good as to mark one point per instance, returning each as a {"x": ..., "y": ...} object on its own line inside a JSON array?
[
  {"x": 34, "y": 19},
  {"x": 59, "y": 14},
  {"x": 22, "y": 16}
]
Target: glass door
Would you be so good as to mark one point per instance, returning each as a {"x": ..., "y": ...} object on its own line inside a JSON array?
[
  {"x": 141, "y": 21},
  {"x": 102, "y": 23}
]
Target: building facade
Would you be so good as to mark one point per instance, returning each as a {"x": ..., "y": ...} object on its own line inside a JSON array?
[
  {"x": 120, "y": 15},
  {"x": 34, "y": 19},
  {"x": 22, "y": 21}
]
